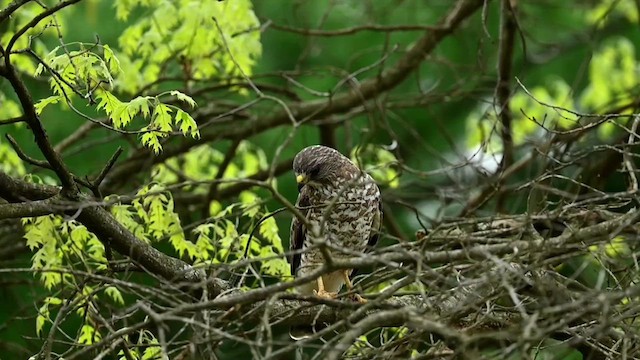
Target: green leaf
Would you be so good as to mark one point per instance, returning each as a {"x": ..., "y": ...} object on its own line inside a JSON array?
[
  {"x": 112, "y": 61},
  {"x": 269, "y": 229},
  {"x": 40, "y": 320},
  {"x": 114, "y": 294},
  {"x": 88, "y": 335},
  {"x": 187, "y": 124},
  {"x": 162, "y": 117},
  {"x": 152, "y": 41},
  {"x": 108, "y": 102},
  {"x": 40, "y": 105},
  {"x": 141, "y": 104},
  {"x": 152, "y": 352},
  {"x": 151, "y": 139},
  {"x": 122, "y": 115},
  {"x": 183, "y": 97}
]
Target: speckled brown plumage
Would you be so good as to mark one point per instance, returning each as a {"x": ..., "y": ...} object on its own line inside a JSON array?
[{"x": 342, "y": 206}]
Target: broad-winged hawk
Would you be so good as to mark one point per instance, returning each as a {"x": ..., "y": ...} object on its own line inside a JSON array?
[{"x": 342, "y": 206}]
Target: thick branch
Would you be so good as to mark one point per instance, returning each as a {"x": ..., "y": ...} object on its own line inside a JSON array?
[
  {"x": 10, "y": 9},
  {"x": 40, "y": 135},
  {"x": 103, "y": 225},
  {"x": 111, "y": 232},
  {"x": 53, "y": 205},
  {"x": 14, "y": 190},
  {"x": 503, "y": 89}
]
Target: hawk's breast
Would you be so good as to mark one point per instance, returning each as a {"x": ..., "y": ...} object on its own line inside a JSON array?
[{"x": 343, "y": 214}]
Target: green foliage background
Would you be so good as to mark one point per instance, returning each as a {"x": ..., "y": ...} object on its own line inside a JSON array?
[{"x": 557, "y": 65}]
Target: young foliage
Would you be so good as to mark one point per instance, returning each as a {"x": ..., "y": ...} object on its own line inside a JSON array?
[
  {"x": 210, "y": 39},
  {"x": 220, "y": 240},
  {"x": 33, "y": 38},
  {"x": 146, "y": 348},
  {"x": 613, "y": 82},
  {"x": 379, "y": 163},
  {"x": 89, "y": 74},
  {"x": 226, "y": 244},
  {"x": 605, "y": 10},
  {"x": 10, "y": 162},
  {"x": 61, "y": 245},
  {"x": 151, "y": 217}
]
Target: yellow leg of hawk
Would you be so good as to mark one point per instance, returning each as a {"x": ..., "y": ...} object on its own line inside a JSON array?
[
  {"x": 347, "y": 281},
  {"x": 321, "y": 292}
]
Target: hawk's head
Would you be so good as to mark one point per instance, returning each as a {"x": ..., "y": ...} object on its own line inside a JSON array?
[{"x": 317, "y": 165}]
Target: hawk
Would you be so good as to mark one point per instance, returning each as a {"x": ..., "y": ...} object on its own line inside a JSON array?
[{"x": 342, "y": 207}]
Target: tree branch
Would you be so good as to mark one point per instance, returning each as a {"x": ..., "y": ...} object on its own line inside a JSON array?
[
  {"x": 503, "y": 89},
  {"x": 11, "y": 8},
  {"x": 105, "y": 227},
  {"x": 40, "y": 135},
  {"x": 54, "y": 205},
  {"x": 43, "y": 15}
]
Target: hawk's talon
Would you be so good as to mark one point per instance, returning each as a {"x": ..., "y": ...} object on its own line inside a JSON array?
[
  {"x": 359, "y": 299},
  {"x": 325, "y": 294}
]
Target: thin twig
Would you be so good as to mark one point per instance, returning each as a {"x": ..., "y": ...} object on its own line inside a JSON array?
[
  {"x": 105, "y": 170},
  {"x": 24, "y": 157}
]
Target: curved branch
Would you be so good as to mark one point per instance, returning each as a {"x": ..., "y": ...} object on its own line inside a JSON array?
[
  {"x": 35, "y": 22},
  {"x": 15, "y": 5},
  {"x": 39, "y": 133},
  {"x": 106, "y": 228}
]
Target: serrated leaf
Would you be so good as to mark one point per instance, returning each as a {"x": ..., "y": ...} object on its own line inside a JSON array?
[
  {"x": 141, "y": 104},
  {"x": 187, "y": 124},
  {"x": 152, "y": 139},
  {"x": 112, "y": 61},
  {"x": 122, "y": 115},
  {"x": 40, "y": 105},
  {"x": 183, "y": 97},
  {"x": 108, "y": 102},
  {"x": 88, "y": 335},
  {"x": 114, "y": 294},
  {"x": 162, "y": 117}
]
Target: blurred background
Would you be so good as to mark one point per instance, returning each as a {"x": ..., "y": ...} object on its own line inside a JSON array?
[{"x": 433, "y": 140}]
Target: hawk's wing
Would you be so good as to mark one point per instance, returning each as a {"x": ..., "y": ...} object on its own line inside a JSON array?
[
  {"x": 376, "y": 227},
  {"x": 298, "y": 231},
  {"x": 374, "y": 235}
]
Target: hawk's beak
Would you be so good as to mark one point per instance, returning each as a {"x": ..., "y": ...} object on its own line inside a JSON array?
[{"x": 301, "y": 179}]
